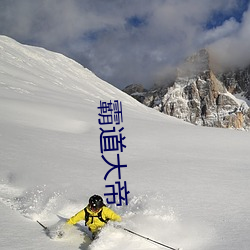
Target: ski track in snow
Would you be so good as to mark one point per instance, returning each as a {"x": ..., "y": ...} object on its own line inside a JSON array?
[{"x": 146, "y": 214}]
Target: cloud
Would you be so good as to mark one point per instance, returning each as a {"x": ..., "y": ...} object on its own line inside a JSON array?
[
  {"x": 233, "y": 49},
  {"x": 124, "y": 42},
  {"x": 228, "y": 28}
]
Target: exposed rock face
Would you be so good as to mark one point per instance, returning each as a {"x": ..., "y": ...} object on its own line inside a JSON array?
[
  {"x": 199, "y": 97},
  {"x": 137, "y": 91},
  {"x": 237, "y": 81}
]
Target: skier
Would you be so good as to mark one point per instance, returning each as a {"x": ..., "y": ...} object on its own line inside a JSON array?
[{"x": 95, "y": 214}]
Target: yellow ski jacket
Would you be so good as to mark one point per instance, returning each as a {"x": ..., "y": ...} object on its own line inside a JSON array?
[{"x": 94, "y": 223}]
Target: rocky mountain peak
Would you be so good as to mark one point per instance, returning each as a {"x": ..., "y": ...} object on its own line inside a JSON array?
[
  {"x": 200, "y": 96},
  {"x": 196, "y": 64}
]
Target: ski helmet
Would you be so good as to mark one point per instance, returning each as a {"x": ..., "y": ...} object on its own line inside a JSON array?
[{"x": 96, "y": 202}]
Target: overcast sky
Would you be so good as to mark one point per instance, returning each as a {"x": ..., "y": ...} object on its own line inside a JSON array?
[{"x": 131, "y": 41}]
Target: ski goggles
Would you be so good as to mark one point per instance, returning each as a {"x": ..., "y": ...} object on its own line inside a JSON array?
[{"x": 94, "y": 208}]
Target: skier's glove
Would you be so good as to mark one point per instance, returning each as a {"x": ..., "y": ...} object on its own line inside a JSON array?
[{"x": 118, "y": 226}]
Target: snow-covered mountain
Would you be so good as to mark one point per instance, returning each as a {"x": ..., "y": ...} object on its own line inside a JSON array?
[
  {"x": 237, "y": 81},
  {"x": 189, "y": 185},
  {"x": 201, "y": 96}
]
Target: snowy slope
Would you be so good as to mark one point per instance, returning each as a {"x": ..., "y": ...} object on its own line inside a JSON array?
[{"x": 189, "y": 186}]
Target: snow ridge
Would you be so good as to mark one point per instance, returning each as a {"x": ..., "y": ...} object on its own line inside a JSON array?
[{"x": 189, "y": 185}]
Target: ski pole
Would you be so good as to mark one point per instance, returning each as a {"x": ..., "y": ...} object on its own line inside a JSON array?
[
  {"x": 159, "y": 243},
  {"x": 45, "y": 228}
]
